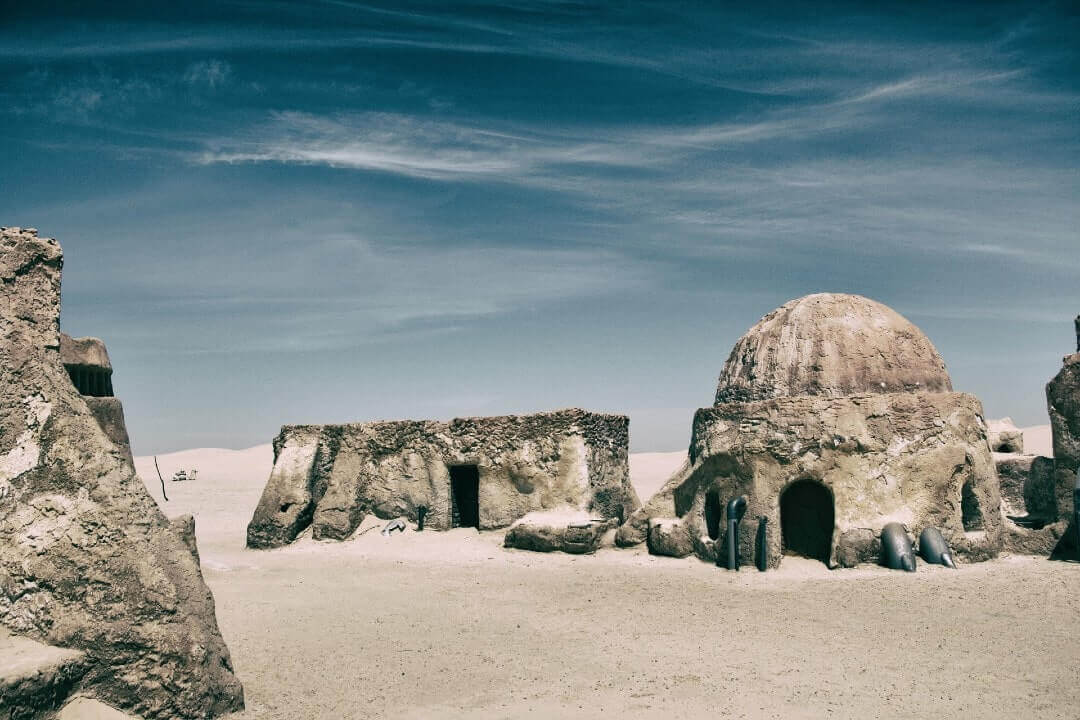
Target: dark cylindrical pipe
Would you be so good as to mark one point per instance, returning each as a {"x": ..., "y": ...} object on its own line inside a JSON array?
[
  {"x": 421, "y": 513},
  {"x": 736, "y": 508},
  {"x": 896, "y": 548},
  {"x": 934, "y": 548},
  {"x": 762, "y": 549}
]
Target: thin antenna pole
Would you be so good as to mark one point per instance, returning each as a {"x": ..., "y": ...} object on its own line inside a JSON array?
[{"x": 161, "y": 479}]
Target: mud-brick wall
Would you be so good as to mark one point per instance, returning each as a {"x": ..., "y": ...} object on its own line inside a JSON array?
[{"x": 330, "y": 477}]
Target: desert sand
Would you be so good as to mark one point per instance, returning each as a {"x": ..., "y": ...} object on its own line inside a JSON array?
[
  {"x": 434, "y": 625},
  {"x": 1038, "y": 441}
]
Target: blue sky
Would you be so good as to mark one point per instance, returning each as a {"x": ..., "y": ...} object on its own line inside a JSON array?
[{"x": 331, "y": 211}]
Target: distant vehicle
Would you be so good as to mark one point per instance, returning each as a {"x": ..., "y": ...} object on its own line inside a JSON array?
[{"x": 182, "y": 475}]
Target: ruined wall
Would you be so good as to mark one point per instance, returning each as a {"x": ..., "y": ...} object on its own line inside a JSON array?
[
  {"x": 921, "y": 459},
  {"x": 87, "y": 560},
  {"x": 331, "y": 476}
]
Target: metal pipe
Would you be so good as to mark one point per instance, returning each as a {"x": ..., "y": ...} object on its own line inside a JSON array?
[
  {"x": 736, "y": 508},
  {"x": 762, "y": 549},
  {"x": 896, "y": 548},
  {"x": 934, "y": 548}
]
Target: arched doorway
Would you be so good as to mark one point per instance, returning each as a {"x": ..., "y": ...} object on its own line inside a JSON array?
[
  {"x": 970, "y": 510},
  {"x": 807, "y": 519},
  {"x": 714, "y": 510}
]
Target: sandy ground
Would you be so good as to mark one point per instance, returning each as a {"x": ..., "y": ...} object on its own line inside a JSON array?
[
  {"x": 648, "y": 471},
  {"x": 1038, "y": 441},
  {"x": 450, "y": 625}
]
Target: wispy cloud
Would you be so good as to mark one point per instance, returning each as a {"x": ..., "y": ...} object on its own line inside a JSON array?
[
  {"x": 210, "y": 74},
  {"x": 444, "y": 149},
  {"x": 740, "y": 55},
  {"x": 358, "y": 204},
  {"x": 376, "y": 141},
  {"x": 106, "y": 92}
]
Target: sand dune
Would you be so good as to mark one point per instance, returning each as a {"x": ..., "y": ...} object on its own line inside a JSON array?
[{"x": 451, "y": 625}]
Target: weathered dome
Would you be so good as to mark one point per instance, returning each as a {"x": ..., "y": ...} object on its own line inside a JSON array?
[{"x": 831, "y": 344}]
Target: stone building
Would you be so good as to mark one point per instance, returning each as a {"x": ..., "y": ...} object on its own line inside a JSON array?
[
  {"x": 87, "y": 363},
  {"x": 469, "y": 472},
  {"x": 834, "y": 416}
]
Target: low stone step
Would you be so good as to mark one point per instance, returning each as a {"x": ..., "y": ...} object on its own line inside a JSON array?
[
  {"x": 84, "y": 708},
  {"x": 35, "y": 678}
]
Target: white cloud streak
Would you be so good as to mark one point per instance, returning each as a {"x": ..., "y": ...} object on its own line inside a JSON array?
[{"x": 440, "y": 149}]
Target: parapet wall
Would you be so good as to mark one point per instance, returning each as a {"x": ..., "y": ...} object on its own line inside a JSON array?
[
  {"x": 87, "y": 362},
  {"x": 330, "y": 476}
]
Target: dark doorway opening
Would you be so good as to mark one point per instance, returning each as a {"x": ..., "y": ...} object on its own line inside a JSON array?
[
  {"x": 806, "y": 519},
  {"x": 970, "y": 512},
  {"x": 465, "y": 496},
  {"x": 713, "y": 513}
]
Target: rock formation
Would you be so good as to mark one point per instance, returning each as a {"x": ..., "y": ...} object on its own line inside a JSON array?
[
  {"x": 87, "y": 560},
  {"x": 35, "y": 678},
  {"x": 574, "y": 532},
  {"x": 479, "y": 472},
  {"x": 1063, "y": 404},
  {"x": 87, "y": 363},
  {"x": 834, "y": 417}
]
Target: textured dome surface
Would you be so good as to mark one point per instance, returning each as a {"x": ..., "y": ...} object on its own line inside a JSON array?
[{"x": 831, "y": 344}]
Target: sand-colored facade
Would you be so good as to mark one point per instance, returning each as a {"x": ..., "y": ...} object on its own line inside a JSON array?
[
  {"x": 834, "y": 417},
  {"x": 482, "y": 472}
]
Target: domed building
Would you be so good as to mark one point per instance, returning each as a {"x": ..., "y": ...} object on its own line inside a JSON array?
[
  {"x": 834, "y": 416},
  {"x": 831, "y": 344}
]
